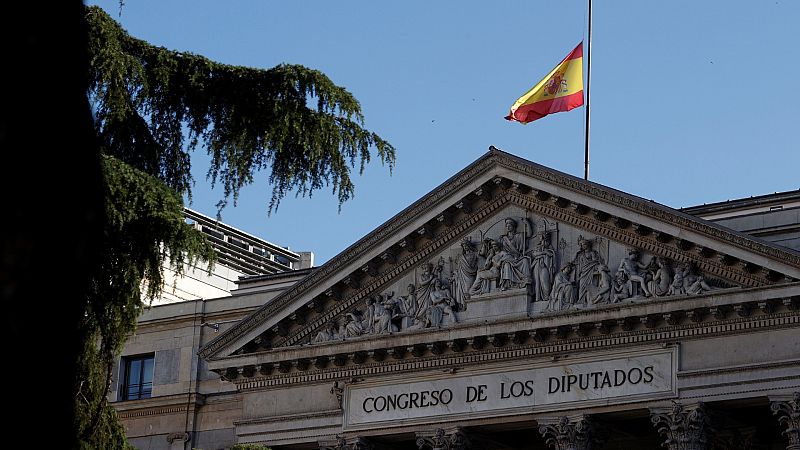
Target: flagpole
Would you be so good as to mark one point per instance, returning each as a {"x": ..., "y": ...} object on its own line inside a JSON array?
[{"x": 588, "y": 82}]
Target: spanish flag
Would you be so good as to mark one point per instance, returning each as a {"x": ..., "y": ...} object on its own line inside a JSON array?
[{"x": 561, "y": 90}]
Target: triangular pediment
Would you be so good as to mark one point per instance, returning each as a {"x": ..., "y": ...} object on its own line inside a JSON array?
[{"x": 504, "y": 240}]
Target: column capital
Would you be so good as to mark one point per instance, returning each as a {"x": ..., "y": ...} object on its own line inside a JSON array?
[
  {"x": 684, "y": 427},
  {"x": 443, "y": 439},
  {"x": 342, "y": 443},
  {"x": 568, "y": 433},
  {"x": 788, "y": 413}
]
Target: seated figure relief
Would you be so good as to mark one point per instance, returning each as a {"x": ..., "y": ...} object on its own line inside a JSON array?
[
  {"x": 329, "y": 333},
  {"x": 508, "y": 262},
  {"x": 693, "y": 282},
  {"x": 602, "y": 293},
  {"x": 489, "y": 276},
  {"x": 563, "y": 293},
  {"x": 385, "y": 313},
  {"x": 661, "y": 279},
  {"x": 408, "y": 307},
  {"x": 515, "y": 265},
  {"x": 351, "y": 326}
]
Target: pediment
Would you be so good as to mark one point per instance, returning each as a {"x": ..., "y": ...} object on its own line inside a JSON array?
[{"x": 505, "y": 240}]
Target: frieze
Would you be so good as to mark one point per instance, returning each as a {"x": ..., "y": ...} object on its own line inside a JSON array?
[
  {"x": 409, "y": 263},
  {"x": 504, "y": 268},
  {"x": 602, "y": 378}
]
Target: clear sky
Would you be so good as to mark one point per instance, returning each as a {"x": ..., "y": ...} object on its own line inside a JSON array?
[{"x": 692, "y": 101}]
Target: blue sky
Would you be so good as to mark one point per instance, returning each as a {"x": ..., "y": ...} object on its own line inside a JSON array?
[{"x": 692, "y": 102}]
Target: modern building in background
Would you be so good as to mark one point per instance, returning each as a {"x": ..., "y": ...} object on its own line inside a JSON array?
[
  {"x": 513, "y": 307},
  {"x": 239, "y": 255}
]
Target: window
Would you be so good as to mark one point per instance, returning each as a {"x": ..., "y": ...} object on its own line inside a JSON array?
[{"x": 137, "y": 379}]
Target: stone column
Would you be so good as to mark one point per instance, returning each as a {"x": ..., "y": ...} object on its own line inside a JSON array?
[
  {"x": 684, "y": 427},
  {"x": 788, "y": 413},
  {"x": 569, "y": 433},
  {"x": 441, "y": 439}
]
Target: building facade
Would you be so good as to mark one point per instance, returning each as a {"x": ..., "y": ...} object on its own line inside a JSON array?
[{"x": 512, "y": 307}]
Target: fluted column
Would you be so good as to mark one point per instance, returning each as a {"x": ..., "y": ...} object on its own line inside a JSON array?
[
  {"x": 569, "y": 433},
  {"x": 684, "y": 427},
  {"x": 441, "y": 439},
  {"x": 788, "y": 413}
]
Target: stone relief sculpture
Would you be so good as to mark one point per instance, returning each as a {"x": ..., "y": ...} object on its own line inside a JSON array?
[
  {"x": 586, "y": 261},
  {"x": 507, "y": 261},
  {"x": 465, "y": 273},
  {"x": 634, "y": 271},
  {"x": 408, "y": 307},
  {"x": 425, "y": 281},
  {"x": 662, "y": 277},
  {"x": 502, "y": 261},
  {"x": 603, "y": 293},
  {"x": 385, "y": 314},
  {"x": 368, "y": 318},
  {"x": 515, "y": 266},
  {"x": 489, "y": 276},
  {"x": 563, "y": 294},
  {"x": 693, "y": 282},
  {"x": 328, "y": 333},
  {"x": 442, "y": 304},
  {"x": 543, "y": 259},
  {"x": 621, "y": 288}
]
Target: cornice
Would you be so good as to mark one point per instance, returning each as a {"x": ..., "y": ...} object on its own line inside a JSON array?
[
  {"x": 289, "y": 417},
  {"x": 739, "y": 368},
  {"x": 511, "y": 352},
  {"x": 154, "y": 406}
]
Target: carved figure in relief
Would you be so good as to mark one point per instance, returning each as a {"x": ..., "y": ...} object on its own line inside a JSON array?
[
  {"x": 693, "y": 282},
  {"x": 515, "y": 267},
  {"x": 368, "y": 318},
  {"x": 489, "y": 276},
  {"x": 677, "y": 287},
  {"x": 542, "y": 260},
  {"x": 327, "y": 334},
  {"x": 351, "y": 327},
  {"x": 466, "y": 271},
  {"x": 425, "y": 281},
  {"x": 586, "y": 261},
  {"x": 384, "y": 313},
  {"x": 604, "y": 286},
  {"x": 621, "y": 287},
  {"x": 408, "y": 307},
  {"x": 634, "y": 270},
  {"x": 563, "y": 294},
  {"x": 441, "y": 310},
  {"x": 659, "y": 285}
]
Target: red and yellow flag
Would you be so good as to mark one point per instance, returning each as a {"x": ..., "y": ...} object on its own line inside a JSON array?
[{"x": 561, "y": 90}]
